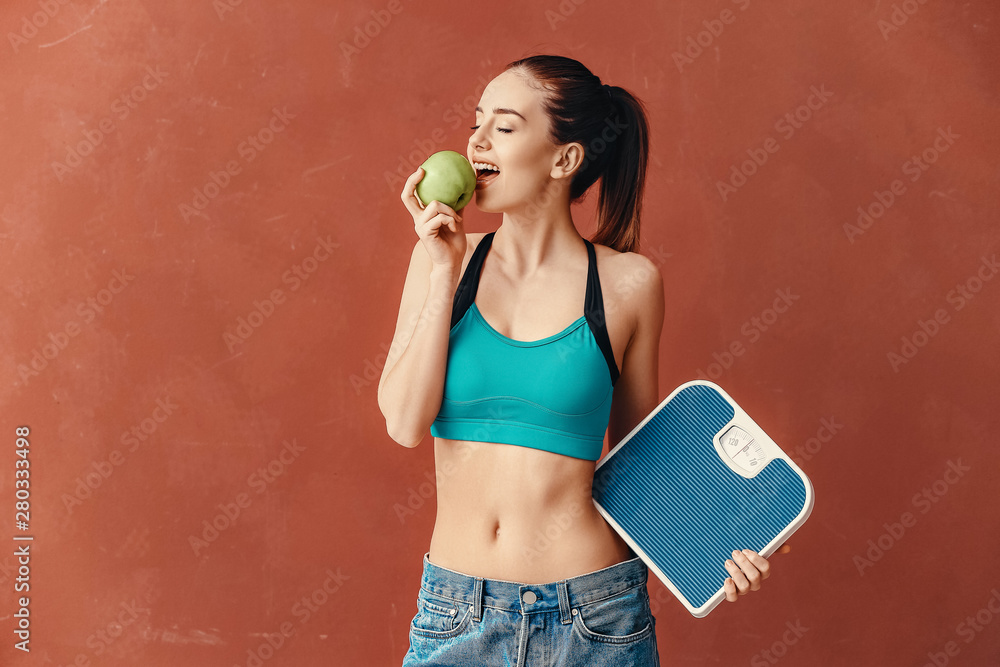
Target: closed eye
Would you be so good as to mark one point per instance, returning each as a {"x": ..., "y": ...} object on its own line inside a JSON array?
[{"x": 500, "y": 129}]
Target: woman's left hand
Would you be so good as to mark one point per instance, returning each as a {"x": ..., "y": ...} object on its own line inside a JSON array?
[{"x": 748, "y": 569}]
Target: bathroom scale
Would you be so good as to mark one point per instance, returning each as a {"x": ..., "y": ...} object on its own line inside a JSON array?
[{"x": 694, "y": 480}]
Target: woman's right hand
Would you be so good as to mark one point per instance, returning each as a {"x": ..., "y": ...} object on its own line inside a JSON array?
[{"x": 438, "y": 226}]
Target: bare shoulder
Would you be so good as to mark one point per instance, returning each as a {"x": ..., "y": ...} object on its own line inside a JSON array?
[
  {"x": 632, "y": 286},
  {"x": 474, "y": 239},
  {"x": 629, "y": 277}
]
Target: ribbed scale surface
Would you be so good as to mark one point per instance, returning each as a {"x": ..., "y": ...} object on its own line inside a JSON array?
[{"x": 671, "y": 462}]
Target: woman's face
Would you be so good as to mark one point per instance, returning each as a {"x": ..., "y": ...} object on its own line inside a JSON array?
[{"x": 512, "y": 132}]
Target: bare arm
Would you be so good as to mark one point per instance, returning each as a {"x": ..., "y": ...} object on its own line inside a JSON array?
[
  {"x": 412, "y": 382},
  {"x": 637, "y": 391}
]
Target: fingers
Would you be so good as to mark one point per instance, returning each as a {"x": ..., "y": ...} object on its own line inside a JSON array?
[
  {"x": 755, "y": 561},
  {"x": 409, "y": 193},
  {"x": 443, "y": 220},
  {"x": 442, "y": 215},
  {"x": 430, "y": 218},
  {"x": 730, "y": 588},
  {"x": 739, "y": 581},
  {"x": 747, "y": 569}
]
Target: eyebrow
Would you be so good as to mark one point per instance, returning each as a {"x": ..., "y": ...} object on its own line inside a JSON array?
[{"x": 504, "y": 111}]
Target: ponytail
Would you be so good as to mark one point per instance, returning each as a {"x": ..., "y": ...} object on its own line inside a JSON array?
[
  {"x": 623, "y": 180},
  {"x": 611, "y": 125}
]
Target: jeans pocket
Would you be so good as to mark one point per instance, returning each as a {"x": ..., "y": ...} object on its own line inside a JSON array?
[
  {"x": 620, "y": 619},
  {"x": 439, "y": 616}
]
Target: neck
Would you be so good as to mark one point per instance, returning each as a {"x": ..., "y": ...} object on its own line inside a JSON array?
[{"x": 526, "y": 246}]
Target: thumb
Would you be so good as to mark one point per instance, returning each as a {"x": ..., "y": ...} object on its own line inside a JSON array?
[{"x": 784, "y": 548}]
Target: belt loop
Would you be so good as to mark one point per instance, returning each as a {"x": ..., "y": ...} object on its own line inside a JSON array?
[
  {"x": 564, "y": 607},
  {"x": 477, "y": 599}
]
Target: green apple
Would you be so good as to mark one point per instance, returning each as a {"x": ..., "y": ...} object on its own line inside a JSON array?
[{"x": 448, "y": 178}]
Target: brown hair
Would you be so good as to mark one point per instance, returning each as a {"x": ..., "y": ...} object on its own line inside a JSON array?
[{"x": 611, "y": 125}]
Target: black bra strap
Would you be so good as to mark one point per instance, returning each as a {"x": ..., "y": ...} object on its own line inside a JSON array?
[
  {"x": 593, "y": 309},
  {"x": 465, "y": 293}
]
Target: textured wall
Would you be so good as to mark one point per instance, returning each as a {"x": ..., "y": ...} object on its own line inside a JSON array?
[{"x": 202, "y": 251}]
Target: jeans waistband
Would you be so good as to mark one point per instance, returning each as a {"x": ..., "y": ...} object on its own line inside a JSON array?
[{"x": 511, "y": 595}]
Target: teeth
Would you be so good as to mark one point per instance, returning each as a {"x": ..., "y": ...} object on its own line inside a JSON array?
[{"x": 486, "y": 165}]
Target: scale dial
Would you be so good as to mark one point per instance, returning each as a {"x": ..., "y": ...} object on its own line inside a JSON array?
[{"x": 743, "y": 450}]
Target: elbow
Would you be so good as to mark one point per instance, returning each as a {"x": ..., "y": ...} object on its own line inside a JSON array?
[
  {"x": 394, "y": 428},
  {"x": 402, "y": 437},
  {"x": 401, "y": 425},
  {"x": 399, "y": 431}
]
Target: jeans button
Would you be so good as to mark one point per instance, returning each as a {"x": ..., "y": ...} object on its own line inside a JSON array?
[{"x": 529, "y": 597}]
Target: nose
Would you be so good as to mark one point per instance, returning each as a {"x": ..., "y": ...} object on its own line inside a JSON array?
[{"x": 475, "y": 139}]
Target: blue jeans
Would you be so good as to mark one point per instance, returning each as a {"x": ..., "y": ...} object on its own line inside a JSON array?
[{"x": 599, "y": 618}]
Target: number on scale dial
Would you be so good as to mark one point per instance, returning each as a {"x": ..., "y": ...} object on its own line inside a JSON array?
[{"x": 744, "y": 451}]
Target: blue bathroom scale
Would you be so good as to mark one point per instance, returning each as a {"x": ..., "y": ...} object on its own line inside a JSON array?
[{"x": 694, "y": 480}]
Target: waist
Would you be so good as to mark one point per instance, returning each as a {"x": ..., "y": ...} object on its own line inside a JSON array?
[
  {"x": 507, "y": 595},
  {"x": 513, "y": 427},
  {"x": 531, "y": 552},
  {"x": 517, "y": 513}
]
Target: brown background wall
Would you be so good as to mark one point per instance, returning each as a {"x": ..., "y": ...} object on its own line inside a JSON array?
[{"x": 203, "y": 251}]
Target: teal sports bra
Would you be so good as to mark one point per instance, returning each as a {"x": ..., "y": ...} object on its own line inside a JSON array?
[{"x": 552, "y": 394}]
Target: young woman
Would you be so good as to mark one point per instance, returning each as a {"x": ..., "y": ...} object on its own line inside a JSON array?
[{"x": 518, "y": 349}]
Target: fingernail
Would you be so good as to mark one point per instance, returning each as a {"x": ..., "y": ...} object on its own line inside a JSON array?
[{"x": 734, "y": 553}]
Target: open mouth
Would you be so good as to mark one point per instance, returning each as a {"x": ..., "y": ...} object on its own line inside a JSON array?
[{"x": 486, "y": 173}]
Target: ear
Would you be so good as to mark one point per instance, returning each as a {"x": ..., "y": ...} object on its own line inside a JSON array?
[{"x": 568, "y": 160}]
